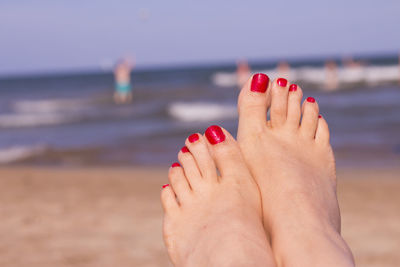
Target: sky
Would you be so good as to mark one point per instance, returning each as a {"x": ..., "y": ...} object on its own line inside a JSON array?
[{"x": 70, "y": 35}]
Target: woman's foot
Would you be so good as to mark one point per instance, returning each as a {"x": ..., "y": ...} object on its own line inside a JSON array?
[
  {"x": 213, "y": 219},
  {"x": 294, "y": 166}
]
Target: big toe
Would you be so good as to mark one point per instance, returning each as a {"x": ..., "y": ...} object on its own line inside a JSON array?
[
  {"x": 253, "y": 103},
  {"x": 226, "y": 154}
]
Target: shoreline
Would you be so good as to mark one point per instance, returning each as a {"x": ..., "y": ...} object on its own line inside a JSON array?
[{"x": 112, "y": 216}]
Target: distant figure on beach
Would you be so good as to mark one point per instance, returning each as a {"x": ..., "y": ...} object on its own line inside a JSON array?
[
  {"x": 242, "y": 72},
  {"x": 331, "y": 75},
  {"x": 283, "y": 69},
  {"x": 123, "y": 87}
]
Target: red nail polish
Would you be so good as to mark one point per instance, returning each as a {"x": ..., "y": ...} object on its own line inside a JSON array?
[
  {"x": 310, "y": 99},
  {"x": 319, "y": 116},
  {"x": 164, "y": 186},
  {"x": 184, "y": 149},
  {"x": 193, "y": 138},
  {"x": 175, "y": 164},
  {"x": 293, "y": 87},
  {"x": 215, "y": 134},
  {"x": 281, "y": 82},
  {"x": 259, "y": 83}
]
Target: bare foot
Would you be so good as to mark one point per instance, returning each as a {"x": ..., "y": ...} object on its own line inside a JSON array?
[
  {"x": 294, "y": 166},
  {"x": 211, "y": 219}
]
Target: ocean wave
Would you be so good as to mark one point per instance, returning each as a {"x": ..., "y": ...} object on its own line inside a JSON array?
[
  {"x": 31, "y": 120},
  {"x": 16, "y": 153},
  {"x": 48, "y": 112},
  {"x": 316, "y": 76},
  {"x": 201, "y": 111},
  {"x": 49, "y": 105}
]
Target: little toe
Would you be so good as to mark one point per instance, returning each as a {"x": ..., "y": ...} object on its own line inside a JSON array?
[
  {"x": 168, "y": 199},
  {"x": 279, "y": 102},
  {"x": 179, "y": 182},
  {"x": 294, "y": 106},
  {"x": 322, "y": 134},
  {"x": 198, "y": 147},
  {"x": 253, "y": 103},
  {"x": 309, "y": 121}
]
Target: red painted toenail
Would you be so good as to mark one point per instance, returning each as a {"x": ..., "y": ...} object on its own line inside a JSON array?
[
  {"x": 259, "y": 83},
  {"x": 164, "y": 186},
  {"x": 193, "y": 138},
  {"x": 281, "y": 82},
  {"x": 215, "y": 134},
  {"x": 310, "y": 99},
  {"x": 293, "y": 87},
  {"x": 184, "y": 149},
  {"x": 175, "y": 164},
  {"x": 319, "y": 116}
]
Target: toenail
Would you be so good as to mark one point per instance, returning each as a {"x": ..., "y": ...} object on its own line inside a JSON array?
[
  {"x": 164, "y": 186},
  {"x": 310, "y": 99},
  {"x": 193, "y": 138},
  {"x": 185, "y": 149},
  {"x": 319, "y": 116},
  {"x": 175, "y": 164},
  {"x": 293, "y": 87},
  {"x": 281, "y": 82},
  {"x": 215, "y": 134},
  {"x": 259, "y": 83}
]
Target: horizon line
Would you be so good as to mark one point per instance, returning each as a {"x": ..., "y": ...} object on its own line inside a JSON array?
[{"x": 193, "y": 65}]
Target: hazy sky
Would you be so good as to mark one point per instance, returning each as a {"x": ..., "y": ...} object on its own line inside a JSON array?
[{"x": 48, "y": 35}]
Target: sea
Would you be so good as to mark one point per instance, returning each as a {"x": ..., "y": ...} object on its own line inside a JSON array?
[{"x": 71, "y": 119}]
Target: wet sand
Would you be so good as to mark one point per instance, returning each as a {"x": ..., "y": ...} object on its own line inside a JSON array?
[{"x": 112, "y": 216}]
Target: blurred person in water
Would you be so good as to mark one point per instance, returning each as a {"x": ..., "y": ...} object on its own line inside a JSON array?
[
  {"x": 331, "y": 75},
  {"x": 122, "y": 76},
  {"x": 242, "y": 72},
  {"x": 283, "y": 69}
]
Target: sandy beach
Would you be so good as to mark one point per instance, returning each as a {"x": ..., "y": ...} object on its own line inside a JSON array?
[{"x": 111, "y": 216}]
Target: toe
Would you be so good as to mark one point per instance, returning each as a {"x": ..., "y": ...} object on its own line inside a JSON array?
[
  {"x": 179, "y": 182},
  {"x": 294, "y": 106},
  {"x": 322, "y": 134},
  {"x": 309, "y": 121},
  {"x": 168, "y": 199},
  {"x": 279, "y": 102},
  {"x": 225, "y": 152},
  {"x": 198, "y": 147},
  {"x": 253, "y": 103},
  {"x": 190, "y": 167}
]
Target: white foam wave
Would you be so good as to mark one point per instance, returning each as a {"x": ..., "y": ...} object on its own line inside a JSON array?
[
  {"x": 201, "y": 111},
  {"x": 49, "y": 105},
  {"x": 15, "y": 153},
  {"x": 370, "y": 75},
  {"x": 29, "y": 120},
  {"x": 32, "y": 113}
]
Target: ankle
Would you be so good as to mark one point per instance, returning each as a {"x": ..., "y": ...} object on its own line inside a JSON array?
[{"x": 311, "y": 247}]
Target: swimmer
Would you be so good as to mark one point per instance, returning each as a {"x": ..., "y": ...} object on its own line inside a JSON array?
[
  {"x": 242, "y": 72},
  {"x": 123, "y": 87}
]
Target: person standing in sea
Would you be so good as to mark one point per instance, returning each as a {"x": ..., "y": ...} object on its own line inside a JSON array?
[
  {"x": 123, "y": 87},
  {"x": 242, "y": 72}
]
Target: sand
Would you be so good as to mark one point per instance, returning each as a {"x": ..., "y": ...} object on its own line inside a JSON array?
[{"x": 112, "y": 216}]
